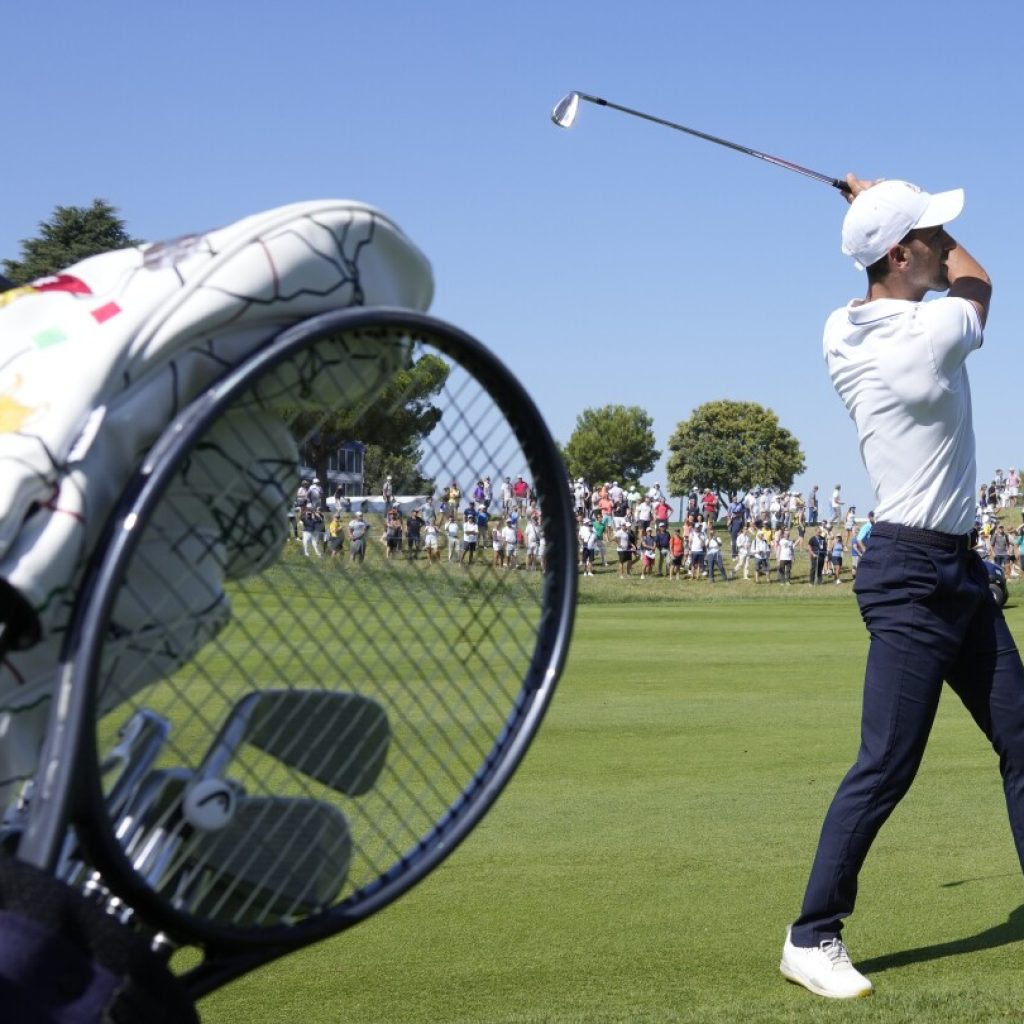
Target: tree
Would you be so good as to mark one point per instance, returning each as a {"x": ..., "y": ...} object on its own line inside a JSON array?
[
  {"x": 71, "y": 234},
  {"x": 615, "y": 442},
  {"x": 731, "y": 447},
  {"x": 392, "y": 427}
]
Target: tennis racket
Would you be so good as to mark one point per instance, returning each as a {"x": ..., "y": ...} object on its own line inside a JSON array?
[{"x": 258, "y": 743}]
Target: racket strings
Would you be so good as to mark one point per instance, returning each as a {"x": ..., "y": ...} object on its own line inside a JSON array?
[{"x": 384, "y": 684}]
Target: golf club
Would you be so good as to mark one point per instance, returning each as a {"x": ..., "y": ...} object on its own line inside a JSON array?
[
  {"x": 272, "y": 856},
  {"x": 339, "y": 739},
  {"x": 564, "y": 115},
  {"x": 277, "y": 857}
]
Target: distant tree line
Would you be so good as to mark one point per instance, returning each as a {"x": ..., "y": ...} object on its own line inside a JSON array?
[{"x": 728, "y": 447}]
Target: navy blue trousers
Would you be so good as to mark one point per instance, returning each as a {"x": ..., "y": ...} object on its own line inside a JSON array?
[{"x": 931, "y": 619}]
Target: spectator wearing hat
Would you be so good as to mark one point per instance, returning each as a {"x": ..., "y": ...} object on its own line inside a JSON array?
[
  {"x": 761, "y": 551},
  {"x": 315, "y": 494},
  {"x": 714, "y": 556},
  {"x": 648, "y": 552},
  {"x": 312, "y": 524},
  {"x": 357, "y": 530},
  {"x": 662, "y": 544},
  {"x": 624, "y": 548},
  {"x": 430, "y": 540},
  {"x": 532, "y": 537},
  {"x": 586, "y": 539},
  {"x": 580, "y": 495},
  {"x": 785, "y": 558},
  {"x": 482, "y": 518},
  {"x": 817, "y": 550},
  {"x": 837, "y": 504},
  {"x": 836, "y": 551},
  {"x": 470, "y": 536},
  {"x": 812, "y": 506},
  {"x": 697, "y": 551},
  {"x": 451, "y": 532},
  {"x": 510, "y": 543},
  {"x": 392, "y": 534}
]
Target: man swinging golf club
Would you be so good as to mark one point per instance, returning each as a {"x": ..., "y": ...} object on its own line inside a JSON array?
[{"x": 898, "y": 364}]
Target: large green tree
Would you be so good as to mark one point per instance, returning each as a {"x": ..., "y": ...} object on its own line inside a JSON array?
[
  {"x": 393, "y": 428},
  {"x": 732, "y": 447},
  {"x": 614, "y": 442},
  {"x": 71, "y": 234}
]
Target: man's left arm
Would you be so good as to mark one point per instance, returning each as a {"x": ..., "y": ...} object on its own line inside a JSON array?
[{"x": 968, "y": 280}]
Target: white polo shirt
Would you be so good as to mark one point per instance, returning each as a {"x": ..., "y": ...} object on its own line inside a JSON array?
[{"x": 899, "y": 367}]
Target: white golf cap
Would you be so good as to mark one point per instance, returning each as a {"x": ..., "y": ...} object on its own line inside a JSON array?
[{"x": 883, "y": 214}]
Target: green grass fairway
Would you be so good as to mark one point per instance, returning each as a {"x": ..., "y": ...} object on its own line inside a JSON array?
[{"x": 646, "y": 859}]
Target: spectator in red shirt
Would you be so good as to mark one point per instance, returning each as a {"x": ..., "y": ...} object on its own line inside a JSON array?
[{"x": 709, "y": 502}]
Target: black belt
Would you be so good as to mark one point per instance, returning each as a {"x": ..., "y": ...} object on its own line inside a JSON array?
[{"x": 928, "y": 538}]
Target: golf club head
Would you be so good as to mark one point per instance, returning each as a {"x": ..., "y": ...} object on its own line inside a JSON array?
[
  {"x": 339, "y": 739},
  {"x": 279, "y": 856},
  {"x": 565, "y": 110}
]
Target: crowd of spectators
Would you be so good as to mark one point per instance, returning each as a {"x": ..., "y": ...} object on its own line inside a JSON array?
[
  {"x": 633, "y": 531},
  {"x": 1000, "y": 538},
  {"x": 759, "y": 533},
  {"x": 501, "y": 529}
]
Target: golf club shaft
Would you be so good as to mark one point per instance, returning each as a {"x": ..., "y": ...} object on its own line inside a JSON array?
[{"x": 778, "y": 161}]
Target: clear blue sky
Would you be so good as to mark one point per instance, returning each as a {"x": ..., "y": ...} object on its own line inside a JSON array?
[{"x": 618, "y": 262}]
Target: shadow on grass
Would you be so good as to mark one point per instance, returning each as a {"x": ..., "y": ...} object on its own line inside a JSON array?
[{"x": 1011, "y": 930}]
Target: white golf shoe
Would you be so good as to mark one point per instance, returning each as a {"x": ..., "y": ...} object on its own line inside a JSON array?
[{"x": 825, "y": 969}]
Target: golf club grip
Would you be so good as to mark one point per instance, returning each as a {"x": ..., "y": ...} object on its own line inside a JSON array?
[{"x": 263, "y": 742}]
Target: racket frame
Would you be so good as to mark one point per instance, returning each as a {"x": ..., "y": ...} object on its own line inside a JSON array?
[{"x": 69, "y": 791}]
